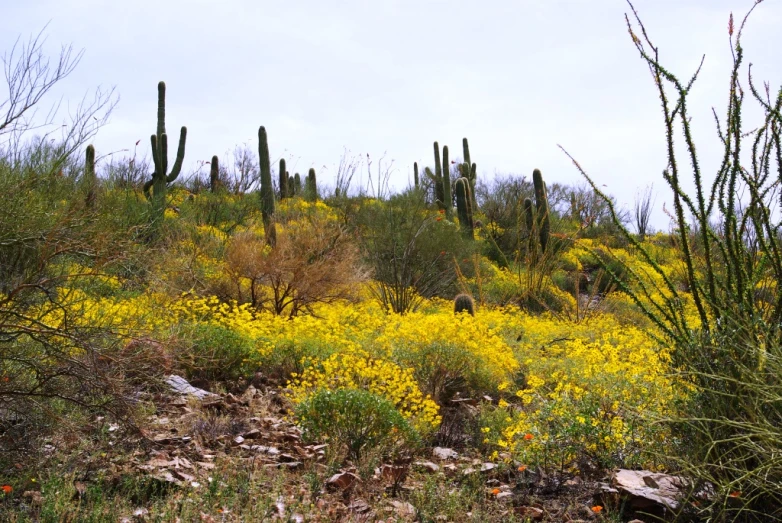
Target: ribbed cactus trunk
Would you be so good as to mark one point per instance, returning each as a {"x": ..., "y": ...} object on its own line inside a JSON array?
[
  {"x": 447, "y": 198},
  {"x": 470, "y": 171},
  {"x": 541, "y": 202},
  {"x": 267, "y": 190},
  {"x": 311, "y": 186},
  {"x": 464, "y": 207},
  {"x": 529, "y": 222},
  {"x": 415, "y": 174},
  {"x": 438, "y": 178},
  {"x": 297, "y": 185},
  {"x": 214, "y": 175},
  {"x": 90, "y": 178},
  {"x": 159, "y": 140},
  {"x": 284, "y": 187}
]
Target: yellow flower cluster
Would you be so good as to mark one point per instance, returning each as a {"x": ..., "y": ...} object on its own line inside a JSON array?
[{"x": 361, "y": 371}]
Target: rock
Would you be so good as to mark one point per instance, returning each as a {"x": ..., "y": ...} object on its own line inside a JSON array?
[
  {"x": 342, "y": 480},
  {"x": 180, "y": 385},
  {"x": 404, "y": 509},
  {"x": 506, "y": 496},
  {"x": 444, "y": 453},
  {"x": 533, "y": 513},
  {"x": 648, "y": 489},
  {"x": 427, "y": 466}
]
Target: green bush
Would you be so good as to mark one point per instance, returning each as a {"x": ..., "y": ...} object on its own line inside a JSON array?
[
  {"x": 355, "y": 421},
  {"x": 214, "y": 353}
]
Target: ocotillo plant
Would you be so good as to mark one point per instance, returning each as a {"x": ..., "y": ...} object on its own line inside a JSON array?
[
  {"x": 285, "y": 189},
  {"x": 463, "y": 302},
  {"x": 214, "y": 175},
  {"x": 311, "y": 187},
  {"x": 541, "y": 202},
  {"x": 447, "y": 198},
  {"x": 267, "y": 190},
  {"x": 160, "y": 179},
  {"x": 90, "y": 179},
  {"x": 464, "y": 207}
]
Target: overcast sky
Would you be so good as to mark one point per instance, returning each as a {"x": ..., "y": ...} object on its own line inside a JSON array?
[{"x": 516, "y": 77}]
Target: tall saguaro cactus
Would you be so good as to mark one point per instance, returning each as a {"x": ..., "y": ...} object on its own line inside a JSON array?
[
  {"x": 541, "y": 202},
  {"x": 283, "y": 174},
  {"x": 469, "y": 171},
  {"x": 311, "y": 186},
  {"x": 438, "y": 177},
  {"x": 161, "y": 179},
  {"x": 464, "y": 207},
  {"x": 90, "y": 178},
  {"x": 214, "y": 175},
  {"x": 447, "y": 198},
  {"x": 267, "y": 190}
]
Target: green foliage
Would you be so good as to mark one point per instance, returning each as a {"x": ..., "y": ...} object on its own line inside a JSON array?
[
  {"x": 356, "y": 421},
  {"x": 214, "y": 353},
  {"x": 160, "y": 179},
  {"x": 410, "y": 249}
]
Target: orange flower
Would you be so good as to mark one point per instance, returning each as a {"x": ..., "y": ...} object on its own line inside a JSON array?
[
  {"x": 735, "y": 494},
  {"x": 439, "y": 219},
  {"x": 528, "y": 436},
  {"x": 441, "y": 211},
  {"x": 495, "y": 491},
  {"x": 597, "y": 509},
  {"x": 7, "y": 489},
  {"x": 522, "y": 468}
]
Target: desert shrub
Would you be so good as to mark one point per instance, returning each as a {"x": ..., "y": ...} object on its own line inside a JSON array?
[
  {"x": 213, "y": 352},
  {"x": 450, "y": 355},
  {"x": 361, "y": 371},
  {"x": 412, "y": 250},
  {"x": 314, "y": 261},
  {"x": 356, "y": 420}
]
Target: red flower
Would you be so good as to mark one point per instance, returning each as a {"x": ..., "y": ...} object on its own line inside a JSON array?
[{"x": 7, "y": 489}]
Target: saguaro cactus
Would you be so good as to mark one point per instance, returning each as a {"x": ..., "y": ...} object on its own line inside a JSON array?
[
  {"x": 464, "y": 207},
  {"x": 311, "y": 186},
  {"x": 267, "y": 190},
  {"x": 214, "y": 175},
  {"x": 438, "y": 178},
  {"x": 469, "y": 171},
  {"x": 297, "y": 184},
  {"x": 160, "y": 179},
  {"x": 285, "y": 189},
  {"x": 415, "y": 174},
  {"x": 541, "y": 202},
  {"x": 447, "y": 198},
  {"x": 90, "y": 179}
]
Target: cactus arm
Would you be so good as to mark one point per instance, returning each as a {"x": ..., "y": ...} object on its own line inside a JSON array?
[
  {"x": 415, "y": 174},
  {"x": 283, "y": 175},
  {"x": 180, "y": 156}
]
